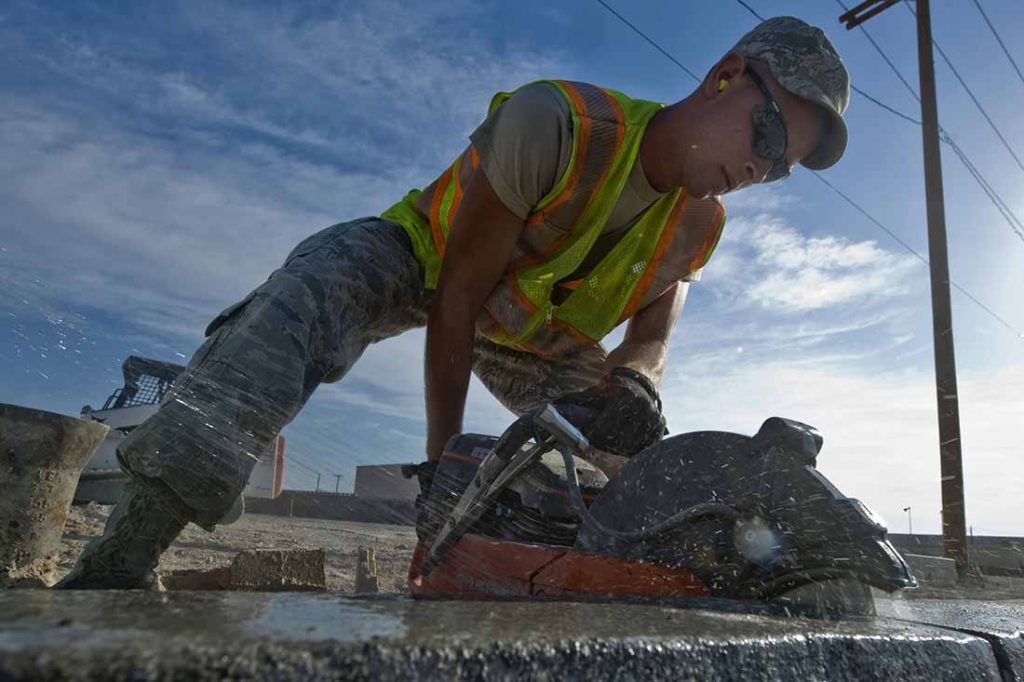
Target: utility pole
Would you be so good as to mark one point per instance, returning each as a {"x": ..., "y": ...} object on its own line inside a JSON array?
[
  {"x": 317, "y": 482},
  {"x": 954, "y": 524},
  {"x": 910, "y": 520},
  {"x": 337, "y": 482}
]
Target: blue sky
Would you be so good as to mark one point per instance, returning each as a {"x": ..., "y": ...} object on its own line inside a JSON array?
[{"x": 160, "y": 159}]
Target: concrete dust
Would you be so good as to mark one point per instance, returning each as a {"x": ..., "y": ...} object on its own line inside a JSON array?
[{"x": 195, "y": 549}]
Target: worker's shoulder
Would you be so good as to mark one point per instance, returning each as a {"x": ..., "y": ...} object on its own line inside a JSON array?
[{"x": 536, "y": 99}]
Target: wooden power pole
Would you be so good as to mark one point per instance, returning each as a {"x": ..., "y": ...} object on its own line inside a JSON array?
[{"x": 954, "y": 524}]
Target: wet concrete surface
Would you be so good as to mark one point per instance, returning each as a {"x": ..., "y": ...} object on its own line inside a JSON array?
[
  {"x": 1000, "y": 623},
  {"x": 208, "y": 635}
]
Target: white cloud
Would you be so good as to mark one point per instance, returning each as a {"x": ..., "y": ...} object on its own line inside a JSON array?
[
  {"x": 880, "y": 430},
  {"x": 160, "y": 230},
  {"x": 780, "y": 269}
]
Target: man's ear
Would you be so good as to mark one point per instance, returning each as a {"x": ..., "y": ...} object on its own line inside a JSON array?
[{"x": 723, "y": 75}]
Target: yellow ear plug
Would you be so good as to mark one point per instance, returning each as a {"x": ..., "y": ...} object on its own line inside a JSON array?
[{"x": 722, "y": 84}]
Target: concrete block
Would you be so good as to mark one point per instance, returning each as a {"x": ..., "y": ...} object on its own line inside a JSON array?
[
  {"x": 259, "y": 571},
  {"x": 289, "y": 569},
  {"x": 1001, "y": 623},
  {"x": 42, "y": 456},
  {"x": 932, "y": 571},
  {"x": 216, "y": 635},
  {"x": 366, "y": 572}
]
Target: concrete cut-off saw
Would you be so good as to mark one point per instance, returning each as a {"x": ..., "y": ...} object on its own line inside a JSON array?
[{"x": 707, "y": 515}]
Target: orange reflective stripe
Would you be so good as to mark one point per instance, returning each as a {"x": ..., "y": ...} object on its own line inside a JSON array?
[
  {"x": 457, "y": 179},
  {"x": 435, "y": 210},
  {"x": 620, "y": 132},
  {"x": 710, "y": 241},
  {"x": 583, "y": 142},
  {"x": 667, "y": 234}
]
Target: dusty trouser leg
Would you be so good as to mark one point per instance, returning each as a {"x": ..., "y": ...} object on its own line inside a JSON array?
[
  {"x": 524, "y": 382},
  {"x": 338, "y": 291}
]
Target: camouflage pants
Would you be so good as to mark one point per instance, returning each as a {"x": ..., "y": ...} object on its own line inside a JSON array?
[{"x": 338, "y": 291}]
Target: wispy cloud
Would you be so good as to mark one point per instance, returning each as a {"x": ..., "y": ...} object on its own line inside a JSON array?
[
  {"x": 881, "y": 435},
  {"x": 783, "y": 270},
  {"x": 177, "y": 190}
]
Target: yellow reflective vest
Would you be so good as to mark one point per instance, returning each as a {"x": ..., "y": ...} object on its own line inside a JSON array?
[{"x": 672, "y": 238}]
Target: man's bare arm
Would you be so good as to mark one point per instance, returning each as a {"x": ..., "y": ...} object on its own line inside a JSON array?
[
  {"x": 645, "y": 346},
  {"x": 480, "y": 246}
]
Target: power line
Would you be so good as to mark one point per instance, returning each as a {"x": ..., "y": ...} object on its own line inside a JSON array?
[
  {"x": 997, "y": 201},
  {"x": 653, "y": 44},
  {"x": 751, "y": 10},
  {"x": 924, "y": 260},
  {"x": 885, "y": 106},
  {"x": 878, "y": 48},
  {"x": 1004, "y": 209},
  {"x": 974, "y": 99},
  {"x": 860, "y": 92},
  {"x": 293, "y": 460},
  {"x": 314, "y": 461},
  {"x": 1000, "y": 41},
  {"x": 853, "y": 203}
]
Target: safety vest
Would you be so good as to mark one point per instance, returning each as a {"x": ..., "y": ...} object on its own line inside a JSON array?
[{"x": 672, "y": 238}]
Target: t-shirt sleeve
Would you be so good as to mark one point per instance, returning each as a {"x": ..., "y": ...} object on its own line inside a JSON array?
[{"x": 524, "y": 146}]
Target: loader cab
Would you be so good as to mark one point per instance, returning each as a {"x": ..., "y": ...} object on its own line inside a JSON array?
[{"x": 146, "y": 384}]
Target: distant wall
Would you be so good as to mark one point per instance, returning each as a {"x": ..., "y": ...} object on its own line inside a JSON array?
[
  {"x": 385, "y": 481},
  {"x": 992, "y": 554},
  {"x": 338, "y": 507}
]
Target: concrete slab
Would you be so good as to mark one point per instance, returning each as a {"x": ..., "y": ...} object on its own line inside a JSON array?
[
  {"x": 268, "y": 570},
  {"x": 1001, "y": 623},
  {"x": 212, "y": 635}
]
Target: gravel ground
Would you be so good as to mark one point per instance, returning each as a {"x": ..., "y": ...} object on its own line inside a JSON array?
[{"x": 197, "y": 549}]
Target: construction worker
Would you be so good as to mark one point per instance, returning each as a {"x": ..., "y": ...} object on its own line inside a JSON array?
[{"x": 575, "y": 208}]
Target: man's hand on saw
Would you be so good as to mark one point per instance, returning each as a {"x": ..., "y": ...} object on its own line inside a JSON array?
[{"x": 621, "y": 414}]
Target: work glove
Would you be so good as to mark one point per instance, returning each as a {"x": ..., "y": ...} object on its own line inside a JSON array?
[
  {"x": 621, "y": 414},
  {"x": 427, "y": 521}
]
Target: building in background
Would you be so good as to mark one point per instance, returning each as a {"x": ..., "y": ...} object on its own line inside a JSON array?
[{"x": 385, "y": 481}]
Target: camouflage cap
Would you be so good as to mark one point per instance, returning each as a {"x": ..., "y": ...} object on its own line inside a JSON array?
[{"x": 806, "y": 64}]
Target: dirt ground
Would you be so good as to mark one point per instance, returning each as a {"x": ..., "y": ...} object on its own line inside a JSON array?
[{"x": 197, "y": 549}]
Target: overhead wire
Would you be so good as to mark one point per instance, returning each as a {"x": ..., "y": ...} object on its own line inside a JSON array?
[
  {"x": 847, "y": 198},
  {"x": 1008, "y": 214},
  {"x": 653, "y": 44},
  {"x": 991, "y": 123},
  {"x": 315, "y": 461},
  {"x": 999, "y": 40},
  {"x": 876, "y": 100}
]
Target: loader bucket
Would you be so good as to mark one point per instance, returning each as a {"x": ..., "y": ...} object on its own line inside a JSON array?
[{"x": 41, "y": 457}]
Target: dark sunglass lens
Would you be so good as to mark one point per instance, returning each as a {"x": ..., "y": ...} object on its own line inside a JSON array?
[
  {"x": 769, "y": 133},
  {"x": 778, "y": 171}
]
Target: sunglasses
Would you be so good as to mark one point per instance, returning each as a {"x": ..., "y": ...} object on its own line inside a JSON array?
[{"x": 769, "y": 132}]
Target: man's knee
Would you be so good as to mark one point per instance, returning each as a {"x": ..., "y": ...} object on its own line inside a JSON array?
[{"x": 204, "y": 458}]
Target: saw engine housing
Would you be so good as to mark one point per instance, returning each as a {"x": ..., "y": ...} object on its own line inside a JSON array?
[{"x": 786, "y": 525}]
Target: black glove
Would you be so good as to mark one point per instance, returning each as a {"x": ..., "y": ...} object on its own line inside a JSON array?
[
  {"x": 620, "y": 415},
  {"x": 427, "y": 522}
]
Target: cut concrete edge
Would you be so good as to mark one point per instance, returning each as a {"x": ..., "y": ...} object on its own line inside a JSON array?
[{"x": 815, "y": 656}]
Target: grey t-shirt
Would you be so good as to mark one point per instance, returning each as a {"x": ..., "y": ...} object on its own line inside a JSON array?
[{"x": 524, "y": 148}]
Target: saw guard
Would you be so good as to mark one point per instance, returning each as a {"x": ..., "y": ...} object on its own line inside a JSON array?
[{"x": 478, "y": 567}]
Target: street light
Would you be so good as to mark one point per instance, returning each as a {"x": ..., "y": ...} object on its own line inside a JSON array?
[{"x": 910, "y": 519}]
